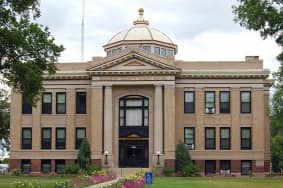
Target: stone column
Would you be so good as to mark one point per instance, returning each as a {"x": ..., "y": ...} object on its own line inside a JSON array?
[
  {"x": 158, "y": 119},
  {"x": 108, "y": 123}
]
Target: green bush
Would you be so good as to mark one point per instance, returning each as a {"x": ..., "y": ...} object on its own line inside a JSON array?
[
  {"x": 65, "y": 184},
  {"x": 90, "y": 170},
  {"x": 182, "y": 156},
  {"x": 25, "y": 184},
  {"x": 189, "y": 170},
  {"x": 168, "y": 172},
  {"x": 16, "y": 172},
  {"x": 71, "y": 169}
]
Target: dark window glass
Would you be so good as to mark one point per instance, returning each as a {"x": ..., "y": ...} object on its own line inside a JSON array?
[
  {"x": 210, "y": 167},
  {"x": 46, "y": 138},
  {"x": 157, "y": 50},
  {"x": 189, "y": 101},
  {"x": 225, "y": 138},
  {"x": 81, "y": 102},
  {"x": 210, "y": 138},
  {"x": 133, "y": 111},
  {"x": 59, "y": 165},
  {"x": 26, "y": 106},
  {"x": 163, "y": 52},
  {"x": 147, "y": 48},
  {"x": 60, "y": 138},
  {"x": 26, "y": 138},
  {"x": 246, "y": 167},
  {"x": 189, "y": 137},
  {"x": 46, "y": 166},
  {"x": 224, "y": 102},
  {"x": 246, "y": 138},
  {"x": 80, "y": 135},
  {"x": 46, "y": 103},
  {"x": 225, "y": 167},
  {"x": 26, "y": 166},
  {"x": 169, "y": 52},
  {"x": 61, "y": 103},
  {"x": 245, "y": 102},
  {"x": 209, "y": 102}
]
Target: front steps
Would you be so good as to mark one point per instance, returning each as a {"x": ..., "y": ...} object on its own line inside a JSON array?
[{"x": 128, "y": 171}]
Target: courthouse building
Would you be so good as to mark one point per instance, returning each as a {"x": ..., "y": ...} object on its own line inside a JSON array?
[{"x": 138, "y": 102}]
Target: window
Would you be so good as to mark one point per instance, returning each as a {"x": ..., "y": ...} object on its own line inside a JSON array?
[
  {"x": 26, "y": 138},
  {"x": 225, "y": 167},
  {"x": 157, "y": 50},
  {"x": 209, "y": 102},
  {"x": 245, "y": 102},
  {"x": 246, "y": 167},
  {"x": 61, "y": 103},
  {"x": 46, "y": 138},
  {"x": 210, "y": 167},
  {"x": 80, "y": 135},
  {"x": 46, "y": 166},
  {"x": 189, "y": 137},
  {"x": 26, "y": 106},
  {"x": 133, "y": 111},
  {"x": 81, "y": 102},
  {"x": 189, "y": 102},
  {"x": 59, "y": 165},
  {"x": 60, "y": 138},
  {"x": 47, "y": 103},
  {"x": 163, "y": 52},
  {"x": 147, "y": 48},
  {"x": 246, "y": 141},
  {"x": 225, "y": 138},
  {"x": 169, "y": 52},
  {"x": 26, "y": 166},
  {"x": 224, "y": 102},
  {"x": 210, "y": 138}
]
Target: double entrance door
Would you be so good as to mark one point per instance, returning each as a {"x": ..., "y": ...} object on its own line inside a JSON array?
[{"x": 133, "y": 154}]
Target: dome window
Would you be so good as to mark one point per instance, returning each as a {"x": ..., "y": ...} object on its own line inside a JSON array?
[
  {"x": 163, "y": 52},
  {"x": 147, "y": 48},
  {"x": 157, "y": 50}
]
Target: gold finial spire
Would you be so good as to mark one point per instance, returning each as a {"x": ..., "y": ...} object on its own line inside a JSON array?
[{"x": 140, "y": 19}]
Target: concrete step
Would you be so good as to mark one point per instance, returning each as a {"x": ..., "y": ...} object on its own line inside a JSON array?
[{"x": 129, "y": 171}]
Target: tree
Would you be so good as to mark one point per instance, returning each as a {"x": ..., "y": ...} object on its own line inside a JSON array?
[
  {"x": 84, "y": 154},
  {"x": 27, "y": 49},
  {"x": 4, "y": 121},
  {"x": 182, "y": 156}
]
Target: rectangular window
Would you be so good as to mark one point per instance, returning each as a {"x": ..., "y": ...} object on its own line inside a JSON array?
[
  {"x": 189, "y": 101},
  {"x": 26, "y": 106},
  {"x": 210, "y": 138},
  {"x": 26, "y": 138},
  {"x": 246, "y": 138},
  {"x": 163, "y": 52},
  {"x": 246, "y": 167},
  {"x": 210, "y": 167},
  {"x": 225, "y": 138},
  {"x": 61, "y": 103},
  {"x": 209, "y": 102},
  {"x": 157, "y": 50},
  {"x": 47, "y": 103},
  {"x": 46, "y": 166},
  {"x": 189, "y": 137},
  {"x": 80, "y": 135},
  {"x": 147, "y": 48},
  {"x": 169, "y": 53},
  {"x": 225, "y": 167},
  {"x": 59, "y": 165},
  {"x": 245, "y": 102},
  {"x": 26, "y": 166},
  {"x": 224, "y": 102},
  {"x": 81, "y": 102},
  {"x": 46, "y": 138},
  {"x": 60, "y": 138}
]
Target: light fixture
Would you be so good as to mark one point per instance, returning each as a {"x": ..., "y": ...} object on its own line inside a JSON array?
[
  {"x": 106, "y": 153},
  {"x": 158, "y": 153}
]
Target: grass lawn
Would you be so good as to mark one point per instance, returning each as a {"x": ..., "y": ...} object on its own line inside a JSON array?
[
  {"x": 47, "y": 182},
  {"x": 203, "y": 182}
]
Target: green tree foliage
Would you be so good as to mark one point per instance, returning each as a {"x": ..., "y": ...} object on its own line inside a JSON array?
[
  {"x": 84, "y": 154},
  {"x": 4, "y": 121},
  {"x": 182, "y": 156},
  {"x": 27, "y": 49}
]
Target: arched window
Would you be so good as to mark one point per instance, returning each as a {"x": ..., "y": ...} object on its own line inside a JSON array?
[{"x": 133, "y": 111}]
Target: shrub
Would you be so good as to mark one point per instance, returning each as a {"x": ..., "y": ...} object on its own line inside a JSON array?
[
  {"x": 16, "y": 172},
  {"x": 168, "y": 171},
  {"x": 65, "y": 184},
  {"x": 71, "y": 169},
  {"x": 25, "y": 184},
  {"x": 92, "y": 170},
  {"x": 182, "y": 156},
  {"x": 189, "y": 170},
  {"x": 84, "y": 154}
]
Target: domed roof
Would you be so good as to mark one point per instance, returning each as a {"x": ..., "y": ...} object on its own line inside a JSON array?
[{"x": 140, "y": 32}]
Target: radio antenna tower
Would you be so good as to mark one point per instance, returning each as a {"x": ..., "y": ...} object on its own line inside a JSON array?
[{"x": 82, "y": 30}]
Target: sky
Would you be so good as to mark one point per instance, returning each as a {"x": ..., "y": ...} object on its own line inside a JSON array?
[{"x": 203, "y": 30}]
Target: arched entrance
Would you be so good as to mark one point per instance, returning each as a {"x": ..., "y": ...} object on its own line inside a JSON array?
[{"x": 133, "y": 131}]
